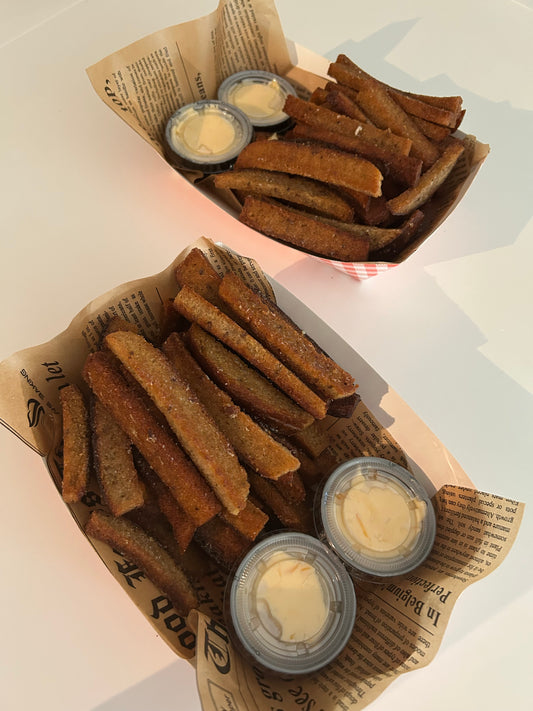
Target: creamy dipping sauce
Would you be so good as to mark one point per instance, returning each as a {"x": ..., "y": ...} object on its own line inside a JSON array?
[
  {"x": 259, "y": 101},
  {"x": 207, "y": 133},
  {"x": 379, "y": 517},
  {"x": 289, "y": 598}
]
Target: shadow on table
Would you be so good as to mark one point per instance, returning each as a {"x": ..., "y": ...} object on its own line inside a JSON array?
[{"x": 170, "y": 689}]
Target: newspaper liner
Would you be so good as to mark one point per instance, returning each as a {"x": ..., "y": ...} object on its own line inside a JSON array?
[
  {"x": 399, "y": 625},
  {"x": 147, "y": 81}
]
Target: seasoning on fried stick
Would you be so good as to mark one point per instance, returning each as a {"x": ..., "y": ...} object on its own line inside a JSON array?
[
  {"x": 76, "y": 444},
  {"x": 198, "y": 310},
  {"x": 247, "y": 387},
  {"x": 147, "y": 554},
  {"x": 300, "y": 229},
  {"x": 325, "y": 164},
  {"x": 314, "y": 195},
  {"x": 153, "y": 440},
  {"x": 195, "y": 429},
  {"x": 254, "y": 446},
  {"x": 274, "y": 329},
  {"x": 113, "y": 460}
]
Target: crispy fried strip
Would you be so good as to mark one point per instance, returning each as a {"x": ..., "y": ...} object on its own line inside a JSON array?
[
  {"x": 76, "y": 444},
  {"x": 275, "y": 330},
  {"x": 196, "y": 271},
  {"x": 423, "y": 110},
  {"x": 313, "y": 440},
  {"x": 147, "y": 554},
  {"x": 245, "y": 385},
  {"x": 404, "y": 169},
  {"x": 302, "y": 230},
  {"x": 296, "y": 516},
  {"x": 255, "y": 447},
  {"x": 432, "y": 130},
  {"x": 390, "y": 249},
  {"x": 325, "y": 164},
  {"x": 192, "y": 306},
  {"x": 360, "y": 79},
  {"x": 291, "y": 188},
  {"x": 113, "y": 459},
  {"x": 183, "y": 527},
  {"x": 222, "y": 542},
  {"x": 386, "y": 113},
  {"x": 433, "y": 178},
  {"x": 249, "y": 522},
  {"x": 322, "y": 117},
  {"x": 151, "y": 439},
  {"x": 342, "y": 104},
  {"x": 291, "y": 487},
  {"x": 195, "y": 429}
]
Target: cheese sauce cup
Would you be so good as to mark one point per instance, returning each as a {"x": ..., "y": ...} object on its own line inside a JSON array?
[
  {"x": 207, "y": 135},
  {"x": 376, "y": 517},
  {"x": 260, "y": 95},
  {"x": 290, "y": 604}
]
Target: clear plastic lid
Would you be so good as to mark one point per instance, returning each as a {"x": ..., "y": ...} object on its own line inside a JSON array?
[
  {"x": 260, "y": 95},
  {"x": 207, "y": 135},
  {"x": 292, "y": 603},
  {"x": 376, "y": 517}
]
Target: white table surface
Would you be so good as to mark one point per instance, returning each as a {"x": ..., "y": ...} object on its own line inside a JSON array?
[{"x": 450, "y": 330}]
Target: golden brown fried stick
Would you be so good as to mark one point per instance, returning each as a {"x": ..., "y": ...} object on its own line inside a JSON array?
[
  {"x": 387, "y": 249},
  {"x": 76, "y": 444},
  {"x": 198, "y": 310},
  {"x": 195, "y": 429},
  {"x": 254, "y": 446},
  {"x": 222, "y": 542},
  {"x": 317, "y": 197},
  {"x": 386, "y": 113},
  {"x": 432, "y": 130},
  {"x": 296, "y": 516},
  {"x": 147, "y": 554},
  {"x": 275, "y": 330},
  {"x": 291, "y": 487},
  {"x": 153, "y": 441},
  {"x": 303, "y": 230},
  {"x": 328, "y": 165},
  {"x": 322, "y": 117},
  {"x": 113, "y": 460},
  {"x": 432, "y": 179},
  {"x": 183, "y": 527},
  {"x": 404, "y": 169},
  {"x": 249, "y": 522},
  {"x": 342, "y": 104},
  {"x": 251, "y": 390},
  {"x": 196, "y": 271},
  {"x": 313, "y": 440}
]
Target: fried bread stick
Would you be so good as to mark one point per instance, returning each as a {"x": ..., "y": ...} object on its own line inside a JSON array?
[
  {"x": 328, "y": 165},
  {"x": 322, "y": 117},
  {"x": 296, "y": 516},
  {"x": 195, "y": 429},
  {"x": 432, "y": 179},
  {"x": 222, "y": 542},
  {"x": 147, "y": 554},
  {"x": 251, "y": 390},
  {"x": 273, "y": 328},
  {"x": 76, "y": 444},
  {"x": 113, "y": 460},
  {"x": 183, "y": 527},
  {"x": 316, "y": 196},
  {"x": 249, "y": 522},
  {"x": 196, "y": 271},
  {"x": 154, "y": 442},
  {"x": 254, "y": 446},
  {"x": 386, "y": 113},
  {"x": 198, "y": 310},
  {"x": 303, "y": 230},
  {"x": 404, "y": 169}
]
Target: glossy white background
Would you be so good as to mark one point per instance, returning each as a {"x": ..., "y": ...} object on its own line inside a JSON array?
[{"x": 86, "y": 205}]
